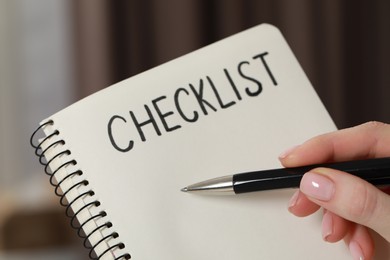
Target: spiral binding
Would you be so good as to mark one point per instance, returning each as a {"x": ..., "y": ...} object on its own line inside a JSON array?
[{"x": 95, "y": 203}]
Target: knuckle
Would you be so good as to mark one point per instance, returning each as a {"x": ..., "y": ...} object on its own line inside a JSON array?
[
  {"x": 363, "y": 205},
  {"x": 374, "y": 125}
]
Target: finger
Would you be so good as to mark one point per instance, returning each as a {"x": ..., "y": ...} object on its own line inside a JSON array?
[
  {"x": 334, "y": 227},
  {"x": 360, "y": 243},
  {"x": 368, "y": 140},
  {"x": 301, "y": 206},
  {"x": 349, "y": 197}
]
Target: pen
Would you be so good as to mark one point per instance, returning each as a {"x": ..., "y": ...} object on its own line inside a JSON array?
[{"x": 374, "y": 171}]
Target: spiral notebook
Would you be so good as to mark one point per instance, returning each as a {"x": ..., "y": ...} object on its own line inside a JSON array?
[{"x": 118, "y": 158}]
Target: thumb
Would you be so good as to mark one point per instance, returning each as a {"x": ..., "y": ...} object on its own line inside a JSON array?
[{"x": 349, "y": 197}]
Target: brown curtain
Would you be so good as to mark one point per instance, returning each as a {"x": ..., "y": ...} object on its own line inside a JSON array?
[{"x": 342, "y": 45}]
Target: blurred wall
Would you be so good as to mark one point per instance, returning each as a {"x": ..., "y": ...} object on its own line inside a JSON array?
[
  {"x": 342, "y": 45},
  {"x": 36, "y": 80}
]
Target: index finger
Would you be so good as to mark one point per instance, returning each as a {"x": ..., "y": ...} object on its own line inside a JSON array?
[{"x": 369, "y": 140}]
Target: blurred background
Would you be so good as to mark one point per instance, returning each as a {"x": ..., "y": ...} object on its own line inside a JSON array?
[{"x": 54, "y": 52}]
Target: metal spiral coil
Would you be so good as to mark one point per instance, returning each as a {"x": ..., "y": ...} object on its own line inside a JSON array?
[{"x": 63, "y": 194}]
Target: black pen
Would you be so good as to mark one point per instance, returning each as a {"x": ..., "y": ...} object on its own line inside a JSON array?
[{"x": 374, "y": 171}]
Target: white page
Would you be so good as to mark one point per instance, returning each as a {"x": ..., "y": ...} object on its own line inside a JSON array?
[{"x": 140, "y": 188}]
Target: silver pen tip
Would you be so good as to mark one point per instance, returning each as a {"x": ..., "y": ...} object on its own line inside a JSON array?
[{"x": 185, "y": 189}]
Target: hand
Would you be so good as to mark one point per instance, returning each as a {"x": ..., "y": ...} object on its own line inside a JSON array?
[{"x": 351, "y": 205}]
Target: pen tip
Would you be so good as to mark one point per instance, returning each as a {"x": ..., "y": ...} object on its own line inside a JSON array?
[{"x": 185, "y": 189}]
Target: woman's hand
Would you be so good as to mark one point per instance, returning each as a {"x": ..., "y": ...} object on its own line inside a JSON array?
[{"x": 351, "y": 205}]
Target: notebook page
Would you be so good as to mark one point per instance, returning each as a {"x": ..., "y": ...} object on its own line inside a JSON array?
[{"x": 230, "y": 107}]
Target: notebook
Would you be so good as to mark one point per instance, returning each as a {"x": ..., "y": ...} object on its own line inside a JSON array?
[{"x": 119, "y": 158}]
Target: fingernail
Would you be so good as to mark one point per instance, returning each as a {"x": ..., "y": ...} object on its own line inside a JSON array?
[
  {"x": 293, "y": 200},
  {"x": 327, "y": 225},
  {"x": 287, "y": 152},
  {"x": 356, "y": 251},
  {"x": 317, "y": 186}
]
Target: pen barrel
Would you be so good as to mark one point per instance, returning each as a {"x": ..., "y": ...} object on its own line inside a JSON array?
[
  {"x": 374, "y": 171},
  {"x": 267, "y": 180}
]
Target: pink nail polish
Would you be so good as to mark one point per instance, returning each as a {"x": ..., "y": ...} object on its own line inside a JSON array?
[
  {"x": 317, "y": 186},
  {"x": 287, "y": 152},
  {"x": 356, "y": 251},
  {"x": 293, "y": 200},
  {"x": 327, "y": 226}
]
